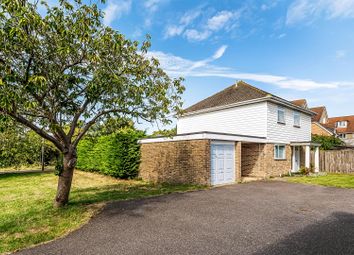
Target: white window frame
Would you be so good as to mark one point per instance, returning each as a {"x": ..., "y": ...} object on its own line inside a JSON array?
[
  {"x": 297, "y": 114},
  {"x": 281, "y": 109},
  {"x": 342, "y": 124},
  {"x": 277, "y": 152}
]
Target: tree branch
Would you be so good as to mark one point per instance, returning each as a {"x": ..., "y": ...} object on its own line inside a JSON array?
[
  {"x": 36, "y": 129},
  {"x": 76, "y": 118}
]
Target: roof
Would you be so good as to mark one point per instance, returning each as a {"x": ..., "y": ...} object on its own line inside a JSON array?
[
  {"x": 325, "y": 127},
  {"x": 319, "y": 111},
  {"x": 236, "y": 93},
  {"x": 350, "y": 125},
  {"x": 300, "y": 102}
]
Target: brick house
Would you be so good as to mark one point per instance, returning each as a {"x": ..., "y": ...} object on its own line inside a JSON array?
[{"x": 238, "y": 132}]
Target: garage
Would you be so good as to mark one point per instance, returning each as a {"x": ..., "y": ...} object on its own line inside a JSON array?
[{"x": 222, "y": 163}]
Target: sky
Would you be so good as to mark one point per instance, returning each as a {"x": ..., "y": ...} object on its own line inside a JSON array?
[{"x": 291, "y": 48}]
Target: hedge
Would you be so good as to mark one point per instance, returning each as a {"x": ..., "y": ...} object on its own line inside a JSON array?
[{"x": 117, "y": 154}]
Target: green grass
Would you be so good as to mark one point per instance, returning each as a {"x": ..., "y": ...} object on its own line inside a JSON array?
[
  {"x": 333, "y": 180},
  {"x": 27, "y": 216}
]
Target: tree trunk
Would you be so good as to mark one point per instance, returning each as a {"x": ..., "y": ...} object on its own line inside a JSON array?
[{"x": 65, "y": 179}]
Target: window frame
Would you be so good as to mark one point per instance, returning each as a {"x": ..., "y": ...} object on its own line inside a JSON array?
[
  {"x": 277, "y": 155},
  {"x": 296, "y": 113},
  {"x": 339, "y": 124},
  {"x": 281, "y": 109}
]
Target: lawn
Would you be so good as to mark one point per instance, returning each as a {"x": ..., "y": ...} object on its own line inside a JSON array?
[
  {"x": 27, "y": 216},
  {"x": 333, "y": 180}
]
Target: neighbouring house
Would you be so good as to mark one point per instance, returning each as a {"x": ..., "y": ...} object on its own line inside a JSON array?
[
  {"x": 239, "y": 132},
  {"x": 344, "y": 128}
]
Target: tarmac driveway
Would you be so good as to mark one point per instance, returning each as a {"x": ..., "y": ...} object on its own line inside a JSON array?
[{"x": 255, "y": 218}]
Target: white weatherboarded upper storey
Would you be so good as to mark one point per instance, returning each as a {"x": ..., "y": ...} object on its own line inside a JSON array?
[{"x": 256, "y": 117}]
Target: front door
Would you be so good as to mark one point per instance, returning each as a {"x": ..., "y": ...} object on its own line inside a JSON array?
[{"x": 296, "y": 159}]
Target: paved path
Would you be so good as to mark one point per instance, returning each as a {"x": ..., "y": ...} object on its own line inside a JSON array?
[{"x": 254, "y": 218}]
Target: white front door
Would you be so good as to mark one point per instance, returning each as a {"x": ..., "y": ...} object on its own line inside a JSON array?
[
  {"x": 222, "y": 163},
  {"x": 296, "y": 158}
]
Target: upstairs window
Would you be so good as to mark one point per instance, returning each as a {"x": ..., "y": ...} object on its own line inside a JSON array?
[
  {"x": 296, "y": 119},
  {"x": 279, "y": 151},
  {"x": 281, "y": 115},
  {"x": 342, "y": 124}
]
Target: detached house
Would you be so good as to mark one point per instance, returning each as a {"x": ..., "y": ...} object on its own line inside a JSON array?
[{"x": 240, "y": 131}]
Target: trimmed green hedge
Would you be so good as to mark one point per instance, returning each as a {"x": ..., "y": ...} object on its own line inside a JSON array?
[{"x": 117, "y": 154}]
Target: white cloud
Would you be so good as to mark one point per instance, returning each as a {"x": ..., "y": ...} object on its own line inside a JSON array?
[
  {"x": 195, "y": 35},
  {"x": 220, "y": 20},
  {"x": 173, "y": 30},
  {"x": 199, "y": 31},
  {"x": 190, "y": 16},
  {"x": 308, "y": 10},
  {"x": 115, "y": 9},
  {"x": 177, "y": 66},
  {"x": 269, "y": 5},
  {"x": 220, "y": 52},
  {"x": 281, "y": 35},
  {"x": 152, "y": 5}
]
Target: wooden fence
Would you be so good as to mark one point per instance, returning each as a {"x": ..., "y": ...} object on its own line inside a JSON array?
[{"x": 337, "y": 161}]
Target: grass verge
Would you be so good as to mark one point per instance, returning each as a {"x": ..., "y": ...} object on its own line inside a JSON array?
[
  {"x": 27, "y": 216},
  {"x": 332, "y": 180}
]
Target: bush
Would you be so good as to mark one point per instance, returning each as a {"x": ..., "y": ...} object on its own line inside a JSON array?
[
  {"x": 327, "y": 142},
  {"x": 116, "y": 154}
]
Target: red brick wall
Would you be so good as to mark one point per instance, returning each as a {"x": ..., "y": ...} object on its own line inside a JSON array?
[
  {"x": 258, "y": 160},
  {"x": 176, "y": 162}
]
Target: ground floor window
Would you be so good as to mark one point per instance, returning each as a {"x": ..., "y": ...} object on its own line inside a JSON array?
[{"x": 279, "y": 151}]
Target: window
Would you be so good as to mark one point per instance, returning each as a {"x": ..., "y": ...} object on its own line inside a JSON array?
[
  {"x": 279, "y": 151},
  {"x": 342, "y": 124},
  {"x": 342, "y": 136},
  {"x": 281, "y": 115},
  {"x": 296, "y": 119}
]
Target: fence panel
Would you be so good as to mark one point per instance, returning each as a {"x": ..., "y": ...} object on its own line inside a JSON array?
[{"x": 337, "y": 161}]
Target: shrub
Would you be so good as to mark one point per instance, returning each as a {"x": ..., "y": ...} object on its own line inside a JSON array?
[
  {"x": 327, "y": 142},
  {"x": 116, "y": 154}
]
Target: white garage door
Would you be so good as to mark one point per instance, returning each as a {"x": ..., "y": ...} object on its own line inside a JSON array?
[{"x": 222, "y": 163}]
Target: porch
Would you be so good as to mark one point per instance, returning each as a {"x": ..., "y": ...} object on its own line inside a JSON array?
[{"x": 302, "y": 156}]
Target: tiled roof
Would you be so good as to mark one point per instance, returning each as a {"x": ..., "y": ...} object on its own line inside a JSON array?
[
  {"x": 350, "y": 124},
  {"x": 319, "y": 111},
  {"x": 300, "y": 102},
  {"x": 239, "y": 92}
]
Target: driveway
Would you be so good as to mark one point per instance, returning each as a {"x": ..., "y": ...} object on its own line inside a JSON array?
[{"x": 255, "y": 218}]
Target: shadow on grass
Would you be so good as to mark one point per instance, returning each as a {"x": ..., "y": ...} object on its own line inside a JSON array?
[
  {"x": 333, "y": 235},
  {"x": 4, "y": 175},
  {"x": 125, "y": 192}
]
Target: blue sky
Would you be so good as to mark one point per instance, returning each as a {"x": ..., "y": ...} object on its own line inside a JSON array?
[{"x": 291, "y": 48}]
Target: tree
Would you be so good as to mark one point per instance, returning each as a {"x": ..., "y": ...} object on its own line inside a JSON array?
[
  {"x": 165, "y": 132},
  {"x": 62, "y": 72}
]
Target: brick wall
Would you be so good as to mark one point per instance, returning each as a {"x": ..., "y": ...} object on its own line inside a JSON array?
[
  {"x": 176, "y": 162},
  {"x": 316, "y": 130},
  {"x": 258, "y": 160}
]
